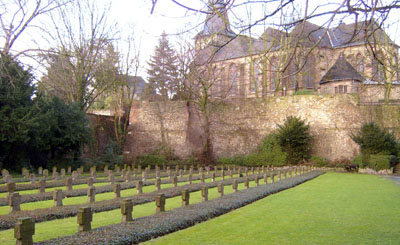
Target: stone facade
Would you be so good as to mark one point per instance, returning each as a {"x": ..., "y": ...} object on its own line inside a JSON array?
[{"x": 237, "y": 126}]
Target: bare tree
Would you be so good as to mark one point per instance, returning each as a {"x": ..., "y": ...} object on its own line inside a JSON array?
[
  {"x": 83, "y": 40},
  {"x": 18, "y": 15}
]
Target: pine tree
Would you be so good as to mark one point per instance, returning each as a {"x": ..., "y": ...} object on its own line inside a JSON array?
[{"x": 163, "y": 71}]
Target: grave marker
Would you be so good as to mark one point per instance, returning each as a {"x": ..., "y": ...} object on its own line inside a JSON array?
[
  {"x": 185, "y": 197},
  {"x": 15, "y": 202},
  {"x": 126, "y": 210},
  {"x": 91, "y": 193},
  {"x": 117, "y": 190},
  {"x": 42, "y": 185},
  {"x": 234, "y": 185},
  {"x": 58, "y": 196},
  {"x": 139, "y": 187},
  {"x": 204, "y": 193},
  {"x": 85, "y": 217},
  {"x": 175, "y": 181},
  {"x": 24, "y": 230},
  {"x": 157, "y": 183},
  {"x": 220, "y": 189},
  {"x": 160, "y": 203},
  {"x": 68, "y": 183}
]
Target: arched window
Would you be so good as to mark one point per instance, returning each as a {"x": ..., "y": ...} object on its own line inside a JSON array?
[
  {"x": 396, "y": 67},
  {"x": 378, "y": 71},
  {"x": 308, "y": 73},
  {"x": 274, "y": 73},
  {"x": 233, "y": 79},
  {"x": 255, "y": 83},
  {"x": 214, "y": 82},
  {"x": 360, "y": 64}
]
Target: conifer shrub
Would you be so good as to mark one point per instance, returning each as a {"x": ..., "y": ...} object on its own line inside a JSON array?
[
  {"x": 319, "y": 161},
  {"x": 379, "y": 162},
  {"x": 374, "y": 140},
  {"x": 295, "y": 139}
]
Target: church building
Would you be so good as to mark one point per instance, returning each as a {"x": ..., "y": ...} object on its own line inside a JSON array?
[{"x": 355, "y": 58}]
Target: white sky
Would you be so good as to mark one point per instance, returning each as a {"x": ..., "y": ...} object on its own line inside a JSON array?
[{"x": 173, "y": 19}]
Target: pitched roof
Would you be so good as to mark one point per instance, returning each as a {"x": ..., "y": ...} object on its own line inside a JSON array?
[
  {"x": 217, "y": 21},
  {"x": 341, "y": 70},
  {"x": 358, "y": 33}
]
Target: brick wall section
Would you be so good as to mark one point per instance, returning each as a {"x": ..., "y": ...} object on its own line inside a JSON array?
[{"x": 237, "y": 126}]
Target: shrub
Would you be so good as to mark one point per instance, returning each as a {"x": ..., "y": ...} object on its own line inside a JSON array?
[
  {"x": 295, "y": 139},
  {"x": 379, "y": 162},
  {"x": 319, "y": 161},
  {"x": 374, "y": 140},
  {"x": 151, "y": 159},
  {"x": 305, "y": 92},
  {"x": 236, "y": 160},
  {"x": 359, "y": 161}
]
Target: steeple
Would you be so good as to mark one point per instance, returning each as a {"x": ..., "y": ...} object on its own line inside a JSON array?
[
  {"x": 217, "y": 21},
  {"x": 216, "y": 27}
]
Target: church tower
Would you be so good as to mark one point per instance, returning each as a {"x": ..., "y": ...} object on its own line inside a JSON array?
[{"x": 216, "y": 30}]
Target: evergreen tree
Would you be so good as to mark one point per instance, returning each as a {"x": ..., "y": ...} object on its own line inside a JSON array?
[
  {"x": 163, "y": 71},
  {"x": 35, "y": 129}
]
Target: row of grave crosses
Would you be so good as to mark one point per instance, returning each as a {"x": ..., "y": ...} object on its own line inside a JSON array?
[
  {"x": 15, "y": 199},
  {"x": 25, "y": 227}
]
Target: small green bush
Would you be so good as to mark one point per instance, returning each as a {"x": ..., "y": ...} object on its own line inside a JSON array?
[
  {"x": 359, "y": 161},
  {"x": 151, "y": 159},
  {"x": 374, "y": 140},
  {"x": 379, "y": 162},
  {"x": 236, "y": 160},
  {"x": 319, "y": 161},
  {"x": 305, "y": 92},
  {"x": 295, "y": 139}
]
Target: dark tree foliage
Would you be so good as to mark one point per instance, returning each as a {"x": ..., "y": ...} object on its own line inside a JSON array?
[
  {"x": 295, "y": 139},
  {"x": 163, "y": 71},
  {"x": 35, "y": 129},
  {"x": 374, "y": 140},
  {"x": 63, "y": 129},
  {"x": 16, "y": 118}
]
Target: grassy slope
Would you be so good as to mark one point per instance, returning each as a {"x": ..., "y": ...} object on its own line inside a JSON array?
[
  {"x": 332, "y": 209},
  {"x": 68, "y": 226}
]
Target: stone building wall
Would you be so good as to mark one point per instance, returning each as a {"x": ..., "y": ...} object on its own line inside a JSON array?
[{"x": 237, "y": 126}]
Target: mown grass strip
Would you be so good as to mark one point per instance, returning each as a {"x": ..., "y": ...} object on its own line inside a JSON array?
[{"x": 332, "y": 209}]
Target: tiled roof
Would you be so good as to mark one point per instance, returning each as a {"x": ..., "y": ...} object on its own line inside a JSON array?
[{"x": 341, "y": 70}]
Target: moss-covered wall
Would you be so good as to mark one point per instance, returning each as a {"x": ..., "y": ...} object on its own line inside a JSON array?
[{"x": 237, "y": 126}]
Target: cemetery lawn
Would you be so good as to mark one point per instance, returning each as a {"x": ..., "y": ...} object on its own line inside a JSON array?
[
  {"x": 334, "y": 208},
  {"x": 68, "y": 226}
]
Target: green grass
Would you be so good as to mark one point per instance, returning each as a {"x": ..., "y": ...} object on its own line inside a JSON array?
[
  {"x": 332, "y": 209},
  {"x": 68, "y": 226}
]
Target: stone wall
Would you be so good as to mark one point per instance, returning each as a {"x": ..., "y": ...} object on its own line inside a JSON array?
[{"x": 237, "y": 126}]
